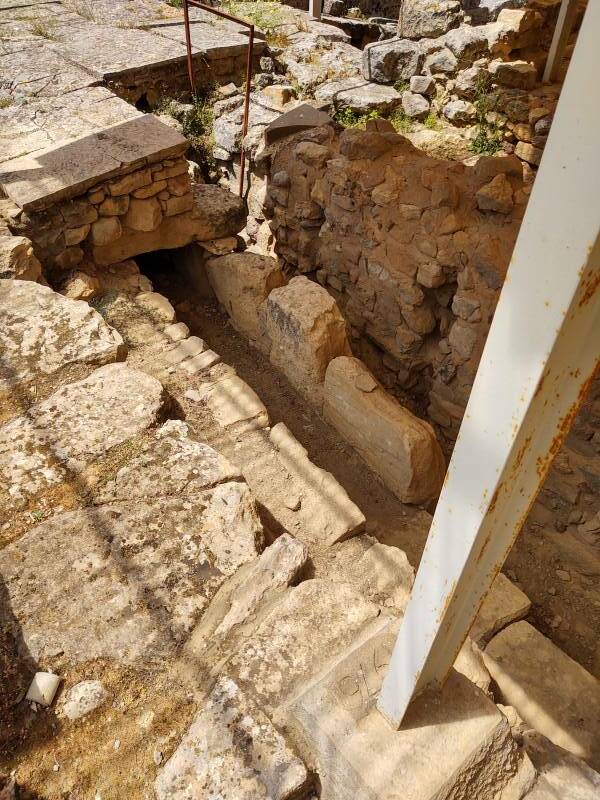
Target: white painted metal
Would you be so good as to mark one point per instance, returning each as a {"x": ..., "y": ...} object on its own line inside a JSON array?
[
  {"x": 542, "y": 349},
  {"x": 314, "y": 9},
  {"x": 562, "y": 31}
]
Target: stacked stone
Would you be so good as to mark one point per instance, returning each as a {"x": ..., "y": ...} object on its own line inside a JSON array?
[
  {"x": 129, "y": 206},
  {"x": 413, "y": 249},
  {"x": 454, "y": 67}
]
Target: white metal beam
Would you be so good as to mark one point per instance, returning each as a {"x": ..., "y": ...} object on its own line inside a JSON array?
[
  {"x": 562, "y": 31},
  {"x": 540, "y": 355}
]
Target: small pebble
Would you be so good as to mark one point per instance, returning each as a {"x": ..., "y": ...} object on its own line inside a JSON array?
[
  {"x": 552, "y": 590},
  {"x": 117, "y": 744},
  {"x": 158, "y": 757},
  {"x": 56, "y": 767},
  {"x": 563, "y": 575}
]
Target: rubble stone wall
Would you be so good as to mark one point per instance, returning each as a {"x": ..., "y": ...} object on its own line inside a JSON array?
[{"x": 414, "y": 250}]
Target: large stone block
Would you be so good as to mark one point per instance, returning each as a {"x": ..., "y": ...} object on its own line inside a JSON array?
[
  {"x": 47, "y": 339},
  {"x": 550, "y": 691},
  {"x": 398, "y": 446},
  {"x": 428, "y": 18},
  {"x": 231, "y": 751},
  {"x": 242, "y": 282},
  {"x": 56, "y": 439},
  {"x": 391, "y": 60},
  {"x": 452, "y": 744},
  {"x": 17, "y": 259},
  {"x": 504, "y": 604},
  {"x": 306, "y": 331}
]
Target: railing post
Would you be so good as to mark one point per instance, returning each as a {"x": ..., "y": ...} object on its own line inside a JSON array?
[
  {"x": 540, "y": 356},
  {"x": 562, "y": 31},
  {"x": 314, "y": 9}
]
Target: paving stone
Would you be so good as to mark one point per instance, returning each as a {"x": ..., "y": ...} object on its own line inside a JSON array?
[
  {"x": 134, "y": 576},
  {"x": 333, "y": 514},
  {"x": 311, "y": 624},
  {"x": 169, "y": 464},
  {"x": 187, "y": 348},
  {"x": 47, "y": 339},
  {"x": 549, "y": 690},
  {"x": 504, "y": 604},
  {"x": 200, "y": 362},
  {"x": 232, "y": 402},
  {"x": 41, "y": 72},
  {"x": 232, "y": 752},
  {"x": 56, "y": 439},
  {"x": 454, "y": 743},
  {"x": 40, "y": 125}
]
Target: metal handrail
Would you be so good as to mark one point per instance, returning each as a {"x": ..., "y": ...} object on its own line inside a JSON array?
[{"x": 188, "y": 44}]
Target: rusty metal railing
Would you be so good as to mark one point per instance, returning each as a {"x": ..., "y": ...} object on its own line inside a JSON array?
[{"x": 249, "y": 61}]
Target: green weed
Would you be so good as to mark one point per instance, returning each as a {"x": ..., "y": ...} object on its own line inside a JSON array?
[
  {"x": 488, "y": 139},
  {"x": 432, "y": 121},
  {"x": 401, "y": 122},
  {"x": 348, "y": 118}
]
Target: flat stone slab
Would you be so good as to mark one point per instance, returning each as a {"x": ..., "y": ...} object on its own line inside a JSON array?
[
  {"x": 231, "y": 752},
  {"x": 311, "y": 624},
  {"x": 40, "y": 72},
  {"x": 127, "y": 581},
  {"x": 550, "y": 691},
  {"x": 454, "y": 743},
  {"x": 505, "y": 604},
  {"x": 55, "y": 440},
  {"x": 39, "y": 125},
  {"x": 46, "y": 340},
  {"x": 207, "y": 42},
  {"x": 69, "y": 169},
  {"x": 561, "y": 776},
  {"x": 169, "y": 464}
]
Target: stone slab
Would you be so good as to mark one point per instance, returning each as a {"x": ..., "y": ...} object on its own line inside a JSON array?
[
  {"x": 550, "y": 691},
  {"x": 169, "y": 464},
  {"x": 233, "y": 403},
  {"x": 452, "y": 744},
  {"x": 41, "y": 72},
  {"x": 231, "y": 751},
  {"x": 298, "y": 119},
  {"x": 359, "y": 95},
  {"x": 504, "y": 604},
  {"x": 561, "y": 776},
  {"x": 207, "y": 42},
  {"x": 45, "y": 338},
  {"x": 67, "y": 170},
  {"x": 55, "y": 440},
  {"x": 111, "y": 52},
  {"x": 127, "y": 581},
  {"x": 40, "y": 125},
  {"x": 311, "y": 624}
]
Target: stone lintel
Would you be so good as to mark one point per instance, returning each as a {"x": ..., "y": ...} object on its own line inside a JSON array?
[{"x": 66, "y": 170}]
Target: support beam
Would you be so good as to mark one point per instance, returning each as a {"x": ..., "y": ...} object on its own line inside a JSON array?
[
  {"x": 314, "y": 9},
  {"x": 564, "y": 26},
  {"x": 540, "y": 356}
]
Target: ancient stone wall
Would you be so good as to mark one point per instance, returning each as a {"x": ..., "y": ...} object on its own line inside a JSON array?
[{"x": 414, "y": 250}]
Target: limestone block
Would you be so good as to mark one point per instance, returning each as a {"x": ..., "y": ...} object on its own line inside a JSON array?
[
  {"x": 17, "y": 259},
  {"x": 398, "y": 446},
  {"x": 529, "y": 153},
  {"x": 422, "y": 84},
  {"x": 497, "y": 195},
  {"x": 128, "y": 183},
  {"x": 392, "y": 60},
  {"x": 177, "y": 205},
  {"x": 169, "y": 463},
  {"x": 136, "y": 575},
  {"x": 76, "y": 235},
  {"x": 515, "y": 74},
  {"x": 231, "y": 750},
  {"x": 150, "y": 190},
  {"x": 124, "y": 277},
  {"x": 69, "y": 258},
  {"x": 428, "y": 18},
  {"x": 114, "y": 206},
  {"x": 504, "y": 604},
  {"x": 45, "y": 338},
  {"x": 242, "y": 282},
  {"x": 306, "y": 330},
  {"x": 276, "y": 568},
  {"x": 233, "y": 403},
  {"x": 143, "y": 215},
  {"x": 60, "y": 436},
  {"x": 560, "y": 775},
  {"x": 460, "y": 112},
  {"x": 81, "y": 286},
  {"x": 156, "y": 305},
  {"x": 356, "y": 94},
  {"x": 453, "y": 743},
  {"x": 105, "y": 230},
  {"x": 312, "y": 623},
  {"x": 415, "y": 106},
  {"x": 442, "y": 60},
  {"x": 334, "y": 516},
  {"x": 179, "y": 185},
  {"x": 550, "y": 691},
  {"x": 187, "y": 348}
]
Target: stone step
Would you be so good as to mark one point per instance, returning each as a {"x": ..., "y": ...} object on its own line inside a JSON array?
[{"x": 452, "y": 744}]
